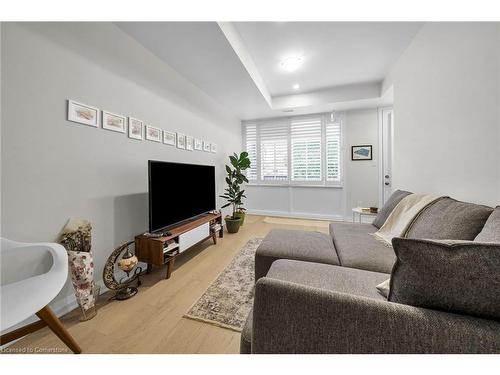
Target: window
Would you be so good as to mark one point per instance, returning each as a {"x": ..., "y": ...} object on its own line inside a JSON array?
[
  {"x": 300, "y": 150},
  {"x": 333, "y": 152},
  {"x": 305, "y": 137},
  {"x": 251, "y": 147},
  {"x": 273, "y": 139}
]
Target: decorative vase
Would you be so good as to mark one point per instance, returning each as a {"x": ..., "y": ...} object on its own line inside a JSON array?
[
  {"x": 240, "y": 215},
  {"x": 76, "y": 238},
  {"x": 81, "y": 269},
  {"x": 233, "y": 225}
]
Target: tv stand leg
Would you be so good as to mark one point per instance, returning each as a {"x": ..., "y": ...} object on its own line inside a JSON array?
[{"x": 170, "y": 266}]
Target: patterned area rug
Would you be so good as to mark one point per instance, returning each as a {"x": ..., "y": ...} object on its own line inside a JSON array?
[{"x": 228, "y": 300}]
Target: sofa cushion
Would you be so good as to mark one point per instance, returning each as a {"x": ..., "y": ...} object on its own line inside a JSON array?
[
  {"x": 293, "y": 244},
  {"x": 448, "y": 218},
  {"x": 386, "y": 210},
  {"x": 491, "y": 229},
  {"x": 456, "y": 277},
  {"x": 328, "y": 277},
  {"x": 357, "y": 248}
]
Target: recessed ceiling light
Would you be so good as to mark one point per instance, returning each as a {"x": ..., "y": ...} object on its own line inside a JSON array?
[
  {"x": 296, "y": 86},
  {"x": 291, "y": 64}
]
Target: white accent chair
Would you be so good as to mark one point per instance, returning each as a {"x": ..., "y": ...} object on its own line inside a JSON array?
[{"x": 24, "y": 295}]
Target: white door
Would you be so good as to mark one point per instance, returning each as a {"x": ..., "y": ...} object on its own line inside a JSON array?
[{"x": 387, "y": 127}]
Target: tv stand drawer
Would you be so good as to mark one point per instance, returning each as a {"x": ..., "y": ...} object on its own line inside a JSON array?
[{"x": 192, "y": 237}]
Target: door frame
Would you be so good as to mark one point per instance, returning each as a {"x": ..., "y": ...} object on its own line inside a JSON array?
[{"x": 382, "y": 148}]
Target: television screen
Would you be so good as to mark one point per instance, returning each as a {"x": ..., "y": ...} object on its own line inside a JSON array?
[{"x": 178, "y": 192}]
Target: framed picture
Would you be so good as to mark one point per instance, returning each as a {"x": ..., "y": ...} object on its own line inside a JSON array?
[
  {"x": 363, "y": 152},
  {"x": 153, "y": 134},
  {"x": 198, "y": 144},
  {"x": 206, "y": 146},
  {"x": 135, "y": 128},
  {"x": 169, "y": 138},
  {"x": 113, "y": 122},
  {"x": 213, "y": 147},
  {"x": 189, "y": 143},
  {"x": 181, "y": 140},
  {"x": 83, "y": 113}
]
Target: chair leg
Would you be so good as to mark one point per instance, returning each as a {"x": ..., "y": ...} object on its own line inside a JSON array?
[{"x": 48, "y": 316}]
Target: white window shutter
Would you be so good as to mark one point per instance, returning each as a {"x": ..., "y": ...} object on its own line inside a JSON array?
[
  {"x": 305, "y": 138},
  {"x": 273, "y": 151},
  {"x": 250, "y": 132},
  {"x": 294, "y": 150},
  {"x": 333, "y": 139}
]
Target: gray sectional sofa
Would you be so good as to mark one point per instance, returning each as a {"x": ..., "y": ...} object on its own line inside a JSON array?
[{"x": 316, "y": 293}]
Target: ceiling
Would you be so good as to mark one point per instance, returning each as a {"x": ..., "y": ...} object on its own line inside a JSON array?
[
  {"x": 334, "y": 53},
  {"x": 238, "y": 64}
]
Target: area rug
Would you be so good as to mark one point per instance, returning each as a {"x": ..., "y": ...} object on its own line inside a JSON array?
[
  {"x": 228, "y": 300},
  {"x": 302, "y": 222}
]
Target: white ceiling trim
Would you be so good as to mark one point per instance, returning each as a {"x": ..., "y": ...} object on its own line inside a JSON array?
[
  {"x": 331, "y": 95},
  {"x": 234, "y": 39},
  {"x": 337, "y": 94},
  {"x": 216, "y": 58}
]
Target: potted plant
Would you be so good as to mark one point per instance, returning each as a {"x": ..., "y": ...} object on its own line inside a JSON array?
[
  {"x": 233, "y": 193},
  {"x": 240, "y": 212}
]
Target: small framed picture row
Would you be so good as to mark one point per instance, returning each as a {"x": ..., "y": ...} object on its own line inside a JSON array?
[{"x": 88, "y": 115}]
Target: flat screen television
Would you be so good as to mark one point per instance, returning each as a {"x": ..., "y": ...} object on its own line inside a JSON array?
[{"x": 178, "y": 192}]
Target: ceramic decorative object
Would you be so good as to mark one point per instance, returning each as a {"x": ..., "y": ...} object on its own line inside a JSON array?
[
  {"x": 127, "y": 262},
  {"x": 76, "y": 238},
  {"x": 125, "y": 286}
]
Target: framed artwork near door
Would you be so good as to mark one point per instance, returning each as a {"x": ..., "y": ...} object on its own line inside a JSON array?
[{"x": 362, "y": 152}]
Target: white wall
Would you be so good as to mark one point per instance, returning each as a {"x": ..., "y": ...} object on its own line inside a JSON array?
[
  {"x": 446, "y": 111},
  {"x": 53, "y": 169},
  {"x": 362, "y": 177},
  {"x": 360, "y": 180}
]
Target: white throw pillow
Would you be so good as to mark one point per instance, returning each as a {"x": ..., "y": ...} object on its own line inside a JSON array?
[{"x": 383, "y": 287}]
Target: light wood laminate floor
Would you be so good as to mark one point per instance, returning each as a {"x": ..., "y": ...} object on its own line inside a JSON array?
[{"x": 152, "y": 321}]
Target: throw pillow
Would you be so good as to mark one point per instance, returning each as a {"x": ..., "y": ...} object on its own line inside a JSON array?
[
  {"x": 383, "y": 287},
  {"x": 448, "y": 218},
  {"x": 458, "y": 277},
  {"x": 386, "y": 210},
  {"x": 491, "y": 229}
]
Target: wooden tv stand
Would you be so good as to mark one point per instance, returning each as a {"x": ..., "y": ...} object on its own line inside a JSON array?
[{"x": 151, "y": 250}]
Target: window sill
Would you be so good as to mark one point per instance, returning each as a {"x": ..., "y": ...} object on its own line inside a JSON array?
[{"x": 296, "y": 185}]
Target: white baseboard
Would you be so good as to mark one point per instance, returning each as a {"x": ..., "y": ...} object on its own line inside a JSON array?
[
  {"x": 296, "y": 215},
  {"x": 313, "y": 216}
]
